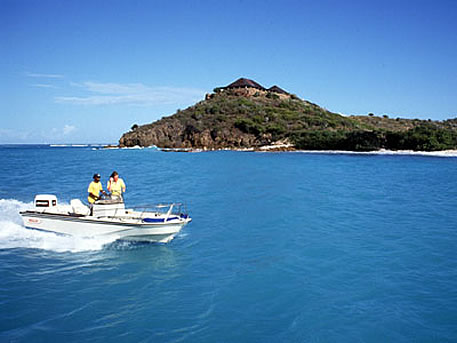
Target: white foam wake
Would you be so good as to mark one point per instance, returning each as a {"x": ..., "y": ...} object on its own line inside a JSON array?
[{"x": 13, "y": 234}]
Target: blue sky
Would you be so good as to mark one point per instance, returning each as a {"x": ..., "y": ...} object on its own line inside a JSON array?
[{"x": 85, "y": 71}]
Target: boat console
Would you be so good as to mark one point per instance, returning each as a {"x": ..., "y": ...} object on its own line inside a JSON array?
[{"x": 108, "y": 207}]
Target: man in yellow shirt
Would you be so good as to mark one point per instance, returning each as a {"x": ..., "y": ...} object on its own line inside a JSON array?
[
  {"x": 116, "y": 185},
  {"x": 95, "y": 187}
]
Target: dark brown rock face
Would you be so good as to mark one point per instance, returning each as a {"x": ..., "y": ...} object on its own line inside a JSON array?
[
  {"x": 164, "y": 134},
  {"x": 176, "y": 135}
]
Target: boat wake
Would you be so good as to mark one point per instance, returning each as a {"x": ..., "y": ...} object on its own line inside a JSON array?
[{"x": 13, "y": 234}]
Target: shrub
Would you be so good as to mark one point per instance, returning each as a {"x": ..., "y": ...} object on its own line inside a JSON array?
[
  {"x": 248, "y": 126},
  {"x": 271, "y": 95},
  {"x": 191, "y": 130},
  {"x": 212, "y": 110},
  {"x": 422, "y": 137},
  {"x": 340, "y": 140},
  {"x": 134, "y": 127},
  {"x": 244, "y": 101},
  {"x": 365, "y": 141},
  {"x": 319, "y": 140},
  {"x": 276, "y": 130}
]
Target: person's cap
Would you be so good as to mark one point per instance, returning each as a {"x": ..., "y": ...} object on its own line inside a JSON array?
[{"x": 96, "y": 176}]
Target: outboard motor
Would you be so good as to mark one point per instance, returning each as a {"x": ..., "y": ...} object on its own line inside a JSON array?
[{"x": 45, "y": 200}]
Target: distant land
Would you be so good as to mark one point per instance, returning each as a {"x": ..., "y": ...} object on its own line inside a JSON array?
[{"x": 246, "y": 115}]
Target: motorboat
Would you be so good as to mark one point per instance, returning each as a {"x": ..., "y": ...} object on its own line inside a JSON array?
[{"x": 107, "y": 217}]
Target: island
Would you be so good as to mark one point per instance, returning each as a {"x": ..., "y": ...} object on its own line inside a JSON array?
[{"x": 244, "y": 115}]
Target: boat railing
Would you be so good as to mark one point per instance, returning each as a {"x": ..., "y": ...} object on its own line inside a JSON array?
[
  {"x": 151, "y": 213},
  {"x": 167, "y": 210}
]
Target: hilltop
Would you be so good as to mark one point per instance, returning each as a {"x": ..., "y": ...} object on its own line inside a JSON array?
[{"x": 245, "y": 115}]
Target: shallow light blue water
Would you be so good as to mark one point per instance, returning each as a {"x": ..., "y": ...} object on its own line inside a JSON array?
[{"x": 283, "y": 247}]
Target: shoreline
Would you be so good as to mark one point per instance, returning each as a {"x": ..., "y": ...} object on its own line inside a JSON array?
[
  {"x": 289, "y": 149},
  {"x": 441, "y": 153}
]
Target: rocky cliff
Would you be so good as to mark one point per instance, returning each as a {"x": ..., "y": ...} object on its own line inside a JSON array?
[{"x": 230, "y": 120}]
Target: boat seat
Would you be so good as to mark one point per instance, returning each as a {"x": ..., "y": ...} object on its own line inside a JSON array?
[{"x": 79, "y": 208}]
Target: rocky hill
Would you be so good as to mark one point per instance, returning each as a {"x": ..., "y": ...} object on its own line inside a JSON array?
[{"x": 250, "y": 116}]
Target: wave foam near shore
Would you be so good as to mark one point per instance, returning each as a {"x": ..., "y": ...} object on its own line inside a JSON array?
[{"x": 443, "y": 153}]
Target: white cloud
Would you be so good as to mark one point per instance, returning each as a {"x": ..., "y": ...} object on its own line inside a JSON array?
[
  {"x": 8, "y": 135},
  {"x": 116, "y": 88},
  {"x": 130, "y": 94},
  {"x": 43, "y": 85},
  {"x": 48, "y": 76},
  {"x": 60, "y": 132},
  {"x": 68, "y": 129},
  {"x": 16, "y": 136}
]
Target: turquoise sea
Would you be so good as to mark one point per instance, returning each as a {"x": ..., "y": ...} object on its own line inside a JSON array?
[{"x": 283, "y": 247}]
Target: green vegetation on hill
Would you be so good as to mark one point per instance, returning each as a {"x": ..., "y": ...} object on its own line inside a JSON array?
[
  {"x": 229, "y": 120},
  {"x": 421, "y": 138},
  {"x": 263, "y": 116}
]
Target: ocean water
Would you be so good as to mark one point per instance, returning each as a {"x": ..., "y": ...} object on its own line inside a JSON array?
[{"x": 283, "y": 247}]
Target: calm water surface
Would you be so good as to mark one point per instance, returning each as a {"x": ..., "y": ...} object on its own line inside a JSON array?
[{"x": 286, "y": 247}]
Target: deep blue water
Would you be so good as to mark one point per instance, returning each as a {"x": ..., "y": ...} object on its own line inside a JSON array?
[{"x": 283, "y": 247}]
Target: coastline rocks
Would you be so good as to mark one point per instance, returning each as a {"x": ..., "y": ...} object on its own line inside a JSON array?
[{"x": 173, "y": 134}]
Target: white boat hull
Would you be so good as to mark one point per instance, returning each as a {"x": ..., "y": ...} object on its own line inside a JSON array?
[{"x": 87, "y": 226}]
